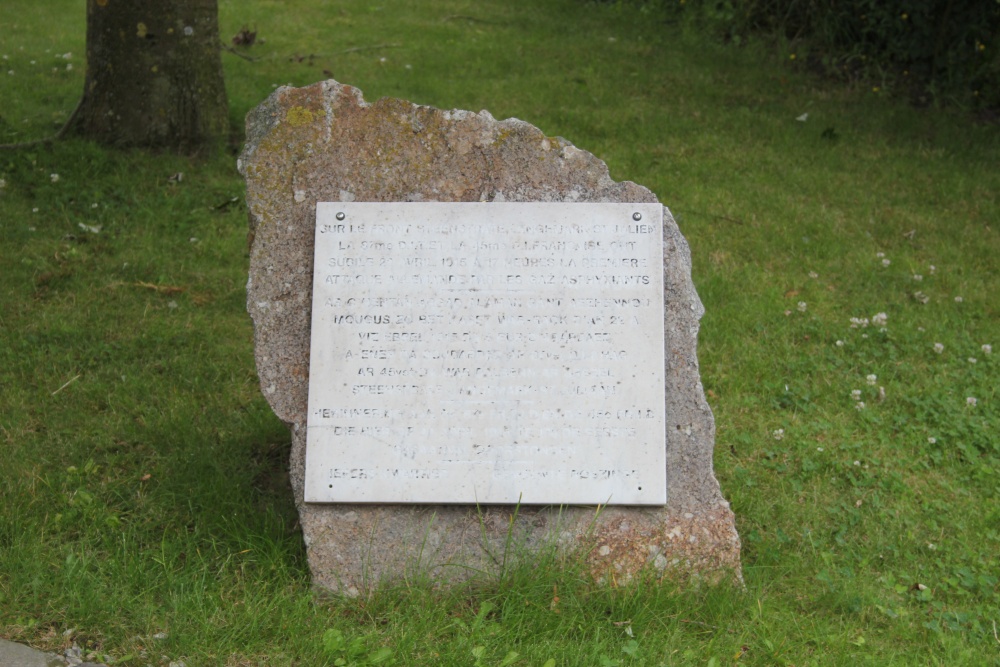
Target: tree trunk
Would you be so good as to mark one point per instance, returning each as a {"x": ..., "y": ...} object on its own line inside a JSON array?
[{"x": 154, "y": 75}]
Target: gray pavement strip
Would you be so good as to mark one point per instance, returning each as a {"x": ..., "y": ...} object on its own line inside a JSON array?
[{"x": 19, "y": 655}]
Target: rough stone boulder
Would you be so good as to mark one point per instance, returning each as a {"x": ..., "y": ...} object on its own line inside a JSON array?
[{"x": 325, "y": 143}]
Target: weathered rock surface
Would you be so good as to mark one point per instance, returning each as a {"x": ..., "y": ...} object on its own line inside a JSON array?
[{"x": 325, "y": 143}]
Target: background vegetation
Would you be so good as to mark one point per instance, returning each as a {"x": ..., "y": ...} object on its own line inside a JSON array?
[
  {"x": 146, "y": 516},
  {"x": 937, "y": 51}
]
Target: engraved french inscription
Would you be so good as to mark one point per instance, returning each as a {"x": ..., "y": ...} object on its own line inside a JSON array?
[{"x": 487, "y": 353}]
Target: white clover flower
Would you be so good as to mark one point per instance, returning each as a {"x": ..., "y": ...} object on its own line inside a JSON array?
[
  {"x": 987, "y": 349},
  {"x": 3, "y": 183},
  {"x": 778, "y": 433},
  {"x": 860, "y": 405},
  {"x": 971, "y": 401},
  {"x": 886, "y": 262},
  {"x": 917, "y": 277},
  {"x": 813, "y": 274},
  {"x": 69, "y": 67},
  {"x": 67, "y": 55},
  {"x": 972, "y": 360},
  {"x": 839, "y": 343},
  {"x": 34, "y": 210},
  {"x": 872, "y": 379},
  {"x": 932, "y": 440},
  {"x": 864, "y": 335},
  {"x": 54, "y": 178},
  {"x": 787, "y": 313},
  {"x": 94, "y": 205},
  {"x": 933, "y": 269},
  {"x": 857, "y": 463},
  {"x": 958, "y": 299},
  {"x": 880, "y": 319},
  {"x": 880, "y": 255},
  {"x": 819, "y": 449},
  {"x": 939, "y": 348},
  {"x": 856, "y": 395},
  {"x": 801, "y": 307},
  {"x": 859, "y": 322},
  {"x": 921, "y": 329}
]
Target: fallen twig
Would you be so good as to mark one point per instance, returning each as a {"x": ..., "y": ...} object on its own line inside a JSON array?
[
  {"x": 163, "y": 289},
  {"x": 233, "y": 51},
  {"x": 473, "y": 19},
  {"x": 705, "y": 625},
  {"x": 365, "y": 48},
  {"x": 55, "y": 137},
  {"x": 68, "y": 383}
]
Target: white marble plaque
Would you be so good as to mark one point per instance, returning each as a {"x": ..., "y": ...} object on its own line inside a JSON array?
[{"x": 487, "y": 353}]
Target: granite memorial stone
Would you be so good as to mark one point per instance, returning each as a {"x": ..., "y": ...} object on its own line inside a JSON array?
[{"x": 503, "y": 346}]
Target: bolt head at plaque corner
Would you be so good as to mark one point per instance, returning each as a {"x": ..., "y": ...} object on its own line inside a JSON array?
[
  {"x": 637, "y": 216},
  {"x": 341, "y": 215}
]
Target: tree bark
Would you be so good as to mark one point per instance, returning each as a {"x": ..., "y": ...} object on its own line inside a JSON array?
[{"x": 154, "y": 75}]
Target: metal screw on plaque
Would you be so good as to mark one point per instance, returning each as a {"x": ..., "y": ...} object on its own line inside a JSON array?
[
  {"x": 637, "y": 216},
  {"x": 341, "y": 215}
]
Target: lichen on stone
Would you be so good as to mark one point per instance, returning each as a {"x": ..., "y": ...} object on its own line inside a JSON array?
[{"x": 299, "y": 116}]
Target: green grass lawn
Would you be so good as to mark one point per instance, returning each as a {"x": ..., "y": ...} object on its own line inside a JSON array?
[{"x": 144, "y": 511}]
